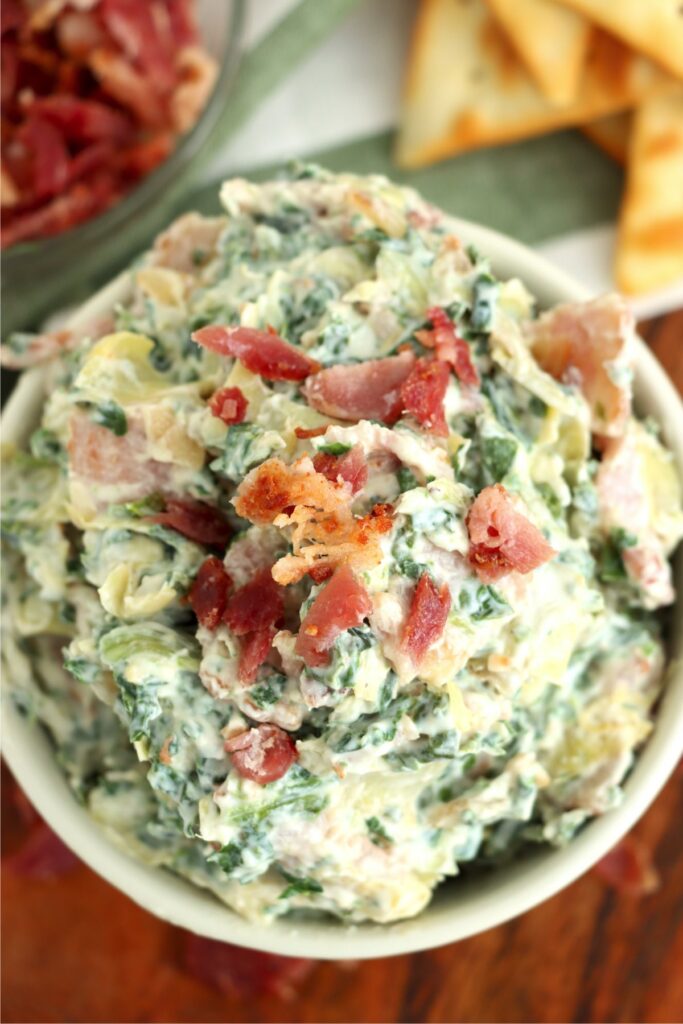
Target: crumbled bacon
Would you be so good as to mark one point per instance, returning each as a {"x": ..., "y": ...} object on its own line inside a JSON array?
[
  {"x": 449, "y": 347},
  {"x": 49, "y": 157},
  {"x": 195, "y": 520},
  {"x": 144, "y": 38},
  {"x": 349, "y": 467},
  {"x": 255, "y": 606},
  {"x": 423, "y": 393},
  {"x": 81, "y": 120},
  {"x": 261, "y": 352},
  {"x": 274, "y": 487},
  {"x": 587, "y": 343},
  {"x": 629, "y": 868},
  {"x": 93, "y": 96},
  {"x": 502, "y": 539},
  {"x": 208, "y": 595},
  {"x": 427, "y": 617},
  {"x": 233, "y": 970},
  {"x": 262, "y": 754},
  {"x": 341, "y": 604},
  {"x": 229, "y": 405},
  {"x": 254, "y": 649},
  {"x": 363, "y": 391},
  {"x": 321, "y": 573}
]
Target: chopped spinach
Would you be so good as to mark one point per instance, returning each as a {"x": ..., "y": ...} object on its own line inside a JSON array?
[{"x": 110, "y": 415}]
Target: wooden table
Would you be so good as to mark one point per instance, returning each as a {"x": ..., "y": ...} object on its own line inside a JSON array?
[{"x": 75, "y": 949}]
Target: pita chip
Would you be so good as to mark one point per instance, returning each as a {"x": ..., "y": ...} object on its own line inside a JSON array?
[
  {"x": 551, "y": 40},
  {"x": 650, "y": 245},
  {"x": 654, "y": 27},
  {"x": 611, "y": 134},
  {"x": 466, "y": 86}
]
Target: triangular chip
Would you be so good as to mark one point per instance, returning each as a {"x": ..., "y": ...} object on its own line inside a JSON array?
[
  {"x": 467, "y": 88},
  {"x": 650, "y": 248},
  {"x": 653, "y": 26},
  {"x": 551, "y": 40},
  {"x": 611, "y": 134}
]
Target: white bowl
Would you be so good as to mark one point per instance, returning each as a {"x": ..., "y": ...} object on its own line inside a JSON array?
[{"x": 460, "y": 908}]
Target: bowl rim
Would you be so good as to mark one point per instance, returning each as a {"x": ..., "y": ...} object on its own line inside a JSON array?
[{"x": 459, "y": 909}]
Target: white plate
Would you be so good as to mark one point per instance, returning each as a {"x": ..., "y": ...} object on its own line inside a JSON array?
[{"x": 460, "y": 907}]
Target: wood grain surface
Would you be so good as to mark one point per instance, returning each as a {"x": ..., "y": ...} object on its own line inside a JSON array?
[{"x": 75, "y": 949}]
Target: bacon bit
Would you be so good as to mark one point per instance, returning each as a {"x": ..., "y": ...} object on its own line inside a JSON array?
[
  {"x": 321, "y": 573},
  {"x": 98, "y": 455},
  {"x": 350, "y": 468},
  {"x": 273, "y": 487},
  {"x": 254, "y": 649},
  {"x": 502, "y": 539},
  {"x": 164, "y": 752},
  {"x": 73, "y": 206},
  {"x": 341, "y": 604},
  {"x": 49, "y": 157},
  {"x": 423, "y": 393},
  {"x": 262, "y": 754},
  {"x": 81, "y": 120},
  {"x": 255, "y": 606},
  {"x": 195, "y": 520},
  {"x": 243, "y": 972},
  {"x": 229, "y": 405},
  {"x": 43, "y": 855},
  {"x": 261, "y": 352},
  {"x": 182, "y": 22},
  {"x": 332, "y": 540},
  {"x": 145, "y": 40},
  {"x": 363, "y": 391},
  {"x": 449, "y": 346},
  {"x": 427, "y": 617},
  {"x": 208, "y": 594},
  {"x": 304, "y": 434},
  {"x": 583, "y": 343},
  {"x": 629, "y": 868}
]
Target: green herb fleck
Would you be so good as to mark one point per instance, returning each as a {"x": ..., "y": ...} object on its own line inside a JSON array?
[
  {"x": 299, "y": 886},
  {"x": 336, "y": 448},
  {"x": 406, "y": 479},
  {"x": 498, "y": 454},
  {"x": 378, "y": 834},
  {"x": 111, "y": 416}
]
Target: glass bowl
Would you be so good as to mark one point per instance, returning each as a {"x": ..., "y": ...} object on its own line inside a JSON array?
[{"x": 40, "y": 275}]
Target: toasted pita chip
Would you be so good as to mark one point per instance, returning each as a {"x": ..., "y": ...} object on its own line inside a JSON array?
[
  {"x": 551, "y": 40},
  {"x": 611, "y": 134},
  {"x": 467, "y": 88},
  {"x": 650, "y": 247},
  {"x": 654, "y": 27}
]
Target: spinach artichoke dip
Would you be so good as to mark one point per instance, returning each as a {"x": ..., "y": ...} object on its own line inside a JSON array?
[{"x": 334, "y": 564}]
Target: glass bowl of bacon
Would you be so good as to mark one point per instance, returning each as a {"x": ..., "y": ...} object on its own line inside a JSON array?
[
  {"x": 354, "y": 555},
  {"x": 105, "y": 104}
]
